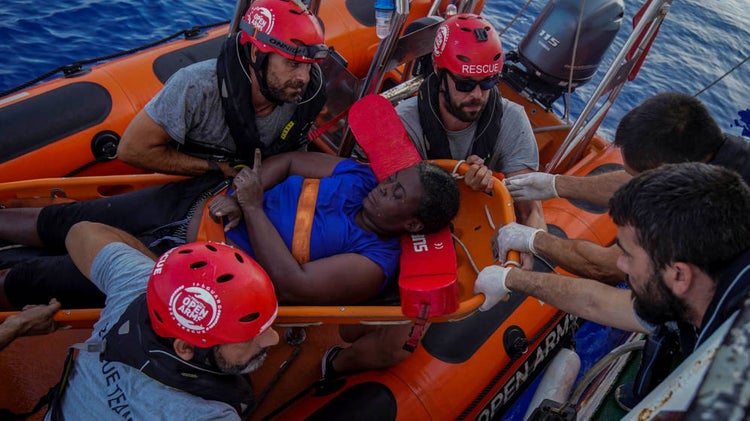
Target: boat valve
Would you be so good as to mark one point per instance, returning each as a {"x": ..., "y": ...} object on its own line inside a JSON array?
[
  {"x": 295, "y": 335},
  {"x": 515, "y": 342},
  {"x": 104, "y": 145}
]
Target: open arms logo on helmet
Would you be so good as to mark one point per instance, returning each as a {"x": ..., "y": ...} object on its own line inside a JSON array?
[
  {"x": 210, "y": 293},
  {"x": 196, "y": 308},
  {"x": 441, "y": 40},
  {"x": 286, "y": 28},
  {"x": 260, "y": 18},
  {"x": 467, "y": 45}
]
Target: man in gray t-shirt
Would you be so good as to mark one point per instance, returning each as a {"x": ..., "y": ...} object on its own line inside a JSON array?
[
  {"x": 459, "y": 114},
  {"x": 263, "y": 91},
  {"x": 175, "y": 337}
]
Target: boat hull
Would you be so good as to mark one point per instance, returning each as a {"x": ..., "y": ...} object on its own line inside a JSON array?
[{"x": 71, "y": 126}]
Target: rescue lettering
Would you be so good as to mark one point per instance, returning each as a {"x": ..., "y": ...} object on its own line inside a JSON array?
[
  {"x": 541, "y": 354},
  {"x": 419, "y": 242},
  {"x": 482, "y": 69},
  {"x": 117, "y": 400},
  {"x": 160, "y": 263}
]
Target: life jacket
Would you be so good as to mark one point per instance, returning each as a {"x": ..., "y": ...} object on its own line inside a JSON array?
[
  {"x": 133, "y": 342},
  {"x": 488, "y": 125},
  {"x": 234, "y": 88}
]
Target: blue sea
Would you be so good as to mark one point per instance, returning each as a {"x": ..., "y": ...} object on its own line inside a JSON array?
[{"x": 699, "y": 42}]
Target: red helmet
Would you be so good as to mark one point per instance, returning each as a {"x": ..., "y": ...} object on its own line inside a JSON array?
[
  {"x": 468, "y": 45},
  {"x": 284, "y": 28},
  {"x": 208, "y": 294}
]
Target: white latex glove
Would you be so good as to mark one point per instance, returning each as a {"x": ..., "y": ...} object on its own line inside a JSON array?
[
  {"x": 515, "y": 236},
  {"x": 491, "y": 283},
  {"x": 532, "y": 186}
]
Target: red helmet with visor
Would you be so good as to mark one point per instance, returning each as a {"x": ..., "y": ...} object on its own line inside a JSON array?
[{"x": 285, "y": 28}]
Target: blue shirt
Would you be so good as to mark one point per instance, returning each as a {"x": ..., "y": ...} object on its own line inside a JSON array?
[{"x": 334, "y": 230}]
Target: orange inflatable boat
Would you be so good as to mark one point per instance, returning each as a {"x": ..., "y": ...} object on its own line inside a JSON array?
[
  {"x": 470, "y": 365},
  {"x": 71, "y": 126}
]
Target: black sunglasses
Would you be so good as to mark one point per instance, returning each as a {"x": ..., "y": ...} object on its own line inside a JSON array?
[
  {"x": 313, "y": 52},
  {"x": 468, "y": 85}
]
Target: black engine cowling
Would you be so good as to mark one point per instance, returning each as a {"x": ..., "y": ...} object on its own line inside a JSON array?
[{"x": 548, "y": 47}]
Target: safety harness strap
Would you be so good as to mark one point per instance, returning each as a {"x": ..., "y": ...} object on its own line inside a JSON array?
[{"x": 308, "y": 197}]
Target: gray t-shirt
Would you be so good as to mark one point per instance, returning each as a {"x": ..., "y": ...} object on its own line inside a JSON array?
[
  {"x": 104, "y": 390},
  {"x": 515, "y": 148},
  {"x": 189, "y": 109}
]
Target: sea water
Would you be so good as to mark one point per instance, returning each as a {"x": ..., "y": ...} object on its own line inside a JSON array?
[{"x": 698, "y": 43}]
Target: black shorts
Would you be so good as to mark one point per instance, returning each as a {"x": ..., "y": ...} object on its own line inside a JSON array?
[{"x": 156, "y": 215}]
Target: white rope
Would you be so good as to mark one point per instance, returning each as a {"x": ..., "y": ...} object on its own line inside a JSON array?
[
  {"x": 466, "y": 250},
  {"x": 455, "y": 170}
]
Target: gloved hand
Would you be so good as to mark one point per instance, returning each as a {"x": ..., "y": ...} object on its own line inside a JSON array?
[
  {"x": 515, "y": 236},
  {"x": 532, "y": 186},
  {"x": 491, "y": 283}
]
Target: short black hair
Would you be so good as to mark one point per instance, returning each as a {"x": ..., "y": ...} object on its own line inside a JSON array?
[
  {"x": 691, "y": 212},
  {"x": 441, "y": 198},
  {"x": 669, "y": 127}
]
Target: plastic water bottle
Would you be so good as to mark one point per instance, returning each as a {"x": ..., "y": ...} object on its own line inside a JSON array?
[
  {"x": 383, "y": 14},
  {"x": 450, "y": 10}
]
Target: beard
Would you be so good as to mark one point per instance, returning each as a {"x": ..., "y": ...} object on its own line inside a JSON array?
[
  {"x": 251, "y": 365},
  {"x": 657, "y": 304},
  {"x": 289, "y": 91},
  {"x": 457, "y": 109}
]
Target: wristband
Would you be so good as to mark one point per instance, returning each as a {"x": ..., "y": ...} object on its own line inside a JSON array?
[{"x": 213, "y": 166}]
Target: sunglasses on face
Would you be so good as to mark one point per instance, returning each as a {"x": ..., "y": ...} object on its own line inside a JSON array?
[
  {"x": 314, "y": 52},
  {"x": 468, "y": 85}
]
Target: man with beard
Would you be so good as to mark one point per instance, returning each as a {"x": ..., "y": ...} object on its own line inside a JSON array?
[
  {"x": 458, "y": 114},
  {"x": 263, "y": 91},
  {"x": 175, "y": 337},
  {"x": 669, "y": 127},
  {"x": 685, "y": 238}
]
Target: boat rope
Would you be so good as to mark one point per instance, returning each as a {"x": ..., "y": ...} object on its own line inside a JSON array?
[
  {"x": 466, "y": 250},
  {"x": 88, "y": 165},
  {"x": 540, "y": 334},
  {"x": 723, "y": 76},
  {"x": 70, "y": 69},
  {"x": 277, "y": 376},
  {"x": 600, "y": 365},
  {"x": 573, "y": 60},
  {"x": 518, "y": 15}
]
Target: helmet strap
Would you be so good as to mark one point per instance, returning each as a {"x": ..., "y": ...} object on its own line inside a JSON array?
[
  {"x": 206, "y": 357},
  {"x": 260, "y": 68},
  {"x": 443, "y": 84}
]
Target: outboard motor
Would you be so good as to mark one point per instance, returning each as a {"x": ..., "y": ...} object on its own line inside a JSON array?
[{"x": 547, "y": 49}]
